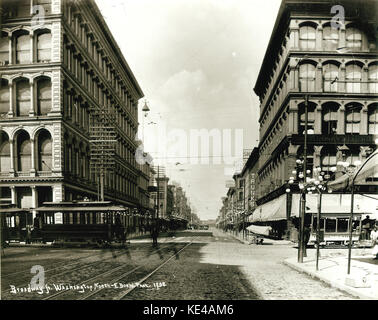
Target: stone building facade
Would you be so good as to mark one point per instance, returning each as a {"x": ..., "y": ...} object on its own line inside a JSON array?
[
  {"x": 59, "y": 63},
  {"x": 336, "y": 70}
]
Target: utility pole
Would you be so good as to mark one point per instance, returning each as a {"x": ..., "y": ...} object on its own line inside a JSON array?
[
  {"x": 301, "y": 246},
  {"x": 102, "y": 140}
]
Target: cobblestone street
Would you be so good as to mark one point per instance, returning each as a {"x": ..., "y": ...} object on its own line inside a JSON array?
[{"x": 190, "y": 265}]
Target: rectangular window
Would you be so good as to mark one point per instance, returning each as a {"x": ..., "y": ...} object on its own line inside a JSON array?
[
  {"x": 23, "y": 8},
  {"x": 330, "y": 225},
  {"x": 342, "y": 225},
  {"x": 45, "y": 3}
]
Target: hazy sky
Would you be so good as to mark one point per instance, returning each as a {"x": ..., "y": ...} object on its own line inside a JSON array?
[{"x": 197, "y": 62}]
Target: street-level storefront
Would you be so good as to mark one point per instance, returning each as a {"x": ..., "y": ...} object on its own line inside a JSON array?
[
  {"x": 272, "y": 213},
  {"x": 282, "y": 214}
]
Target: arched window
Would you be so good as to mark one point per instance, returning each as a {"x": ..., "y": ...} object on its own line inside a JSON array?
[
  {"x": 330, "y": 38},
  {"x": 373, "y": 78},
  {"x": 330, "y": 73},
  {"x": 373, "y": 119},
  {"x": 352, "y": 119},
  {"x": 23, "y": 48},
  {"x": 329, "y": 119},
  {"x": 44, "y": 151},
  {"x": 44, "y": 47},
  {"x": 328, "y": 160},
  {"x": 4, "y": 152},
  {"x": 307, "y": 77},
  {"x": 23, "y": 152},
  {"x": 307, "y": 36},
  {"x": 302, "y": 118},
  {"x": 354, "y": 38},
  {"x": 4, "y": 48},
  {"x": 353, "y": 78},
  {"x": 43, "y": 96},
  {"x": 4, "y": 97},
  {"x": 22, "y": 97}
]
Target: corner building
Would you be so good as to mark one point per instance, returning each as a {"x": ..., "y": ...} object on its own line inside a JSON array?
[
  {"x": 336, "y": 69},
  {"x": 57, "y": 66}
]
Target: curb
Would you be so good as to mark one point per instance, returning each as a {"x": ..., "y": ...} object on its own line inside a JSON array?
[
  {"x": 246, "y": 242},
  {"x": 333, "y": 284}
]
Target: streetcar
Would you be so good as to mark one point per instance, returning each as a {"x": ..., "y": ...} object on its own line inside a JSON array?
[
  {"x": 15, "y": 223},
  {"x": 334, "y": 229},
  {"x": 85, "y": 221}
]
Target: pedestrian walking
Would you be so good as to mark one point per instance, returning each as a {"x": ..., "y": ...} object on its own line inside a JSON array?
[
  {"x": 374, "y": 238},
  {"x": 154, "y": 235}
]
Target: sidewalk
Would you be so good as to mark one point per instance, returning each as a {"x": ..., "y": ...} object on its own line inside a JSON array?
[
  {"x": 266, "y": 240},
  {"x": 362, "y": 281}
]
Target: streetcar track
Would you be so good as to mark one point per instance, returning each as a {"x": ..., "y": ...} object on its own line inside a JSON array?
[
  {"x": 3, "y": 276},
  {"x": 52, "y": 264},
  {"x": 119, "y": 278},
  {"x": 98, "y": 276},
  {"x": 125, "y": 293},
  {"x": 120, "y": 252}
]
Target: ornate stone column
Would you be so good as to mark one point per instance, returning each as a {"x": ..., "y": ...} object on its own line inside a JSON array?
[
  {"x": 32, "y": 167},
  {"x": 12, "y": 157},
  {"x": 294, "y": 35},
  {"x": 32, "y": 107},
  {"x": 11, "y": 99},
  {"x": 317, "y": 152},
  {"x": 318, "y": 119},
  {"x": 10, "y": 49},
  {"x": 342, "y": 41},
  {"x": 341, "y": 119},
  {"x": 13, "y": 195},
  {"x": 364, "y": 79},
  {"x": 364, "y": 120},
  {"x": 341, "y": 85},
  {"x": 31, "y": 47},
  {"x": 293, "y": 117},
  {"x": 319, "y": 38},
  {"x": 34, "y": 196},
  {"x": 319, "y": 77}
]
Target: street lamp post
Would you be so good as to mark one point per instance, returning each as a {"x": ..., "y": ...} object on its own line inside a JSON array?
[
  {"x": 301, "y": 248},
  {"x": 321, "y": 188}
]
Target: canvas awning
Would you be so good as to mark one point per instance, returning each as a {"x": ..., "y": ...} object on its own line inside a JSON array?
[
  {"x": 271, "y": 211},
  {"x": 336, "y": 203},
  {"x": 262, "y": 230},
  {"x": 367, "y": 176}
]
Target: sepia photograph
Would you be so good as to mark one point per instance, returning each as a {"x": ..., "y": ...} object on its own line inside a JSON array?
[{"x": 188, "y": 155}]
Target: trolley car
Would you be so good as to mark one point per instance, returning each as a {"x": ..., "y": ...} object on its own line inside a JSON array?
[
  {"x": 334, "y": 229},
  {"x": 88, "y": 222},
  {"x": 15, "y": 223}
]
